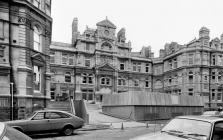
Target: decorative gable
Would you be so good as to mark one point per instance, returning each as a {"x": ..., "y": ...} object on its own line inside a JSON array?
[
  {"x": 106, "y": 67},
  {"x": 38, "y": 59},
  {"x": 106, "y": 23}
]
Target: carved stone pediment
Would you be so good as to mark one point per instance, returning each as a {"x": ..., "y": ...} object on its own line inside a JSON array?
[
  {"x": 106, "y": 67},
  {"x": 38, "y": 59}
]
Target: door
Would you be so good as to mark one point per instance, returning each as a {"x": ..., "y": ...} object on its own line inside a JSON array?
[
  {"x": 39, "y": 123},
  {"x": 58, "y": 120}
]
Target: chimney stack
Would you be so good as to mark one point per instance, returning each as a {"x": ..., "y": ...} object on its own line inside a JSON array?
[{"x": 74, "y": 30}]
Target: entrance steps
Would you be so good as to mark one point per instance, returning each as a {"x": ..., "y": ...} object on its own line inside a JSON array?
[
  {"x": 91, "y": 106},
  {"x": 58, "y": 105}
]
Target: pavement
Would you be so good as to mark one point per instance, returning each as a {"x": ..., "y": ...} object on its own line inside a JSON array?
[
  {"x": 105, "y": 134},
  {"x": 98, "y": 121}
]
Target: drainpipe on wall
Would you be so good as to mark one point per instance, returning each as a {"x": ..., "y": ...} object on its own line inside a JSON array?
[
  {"x": 152, "y": 70},
  {"x": 12, "y": 80},
  {"x": 209, "y": 104}
]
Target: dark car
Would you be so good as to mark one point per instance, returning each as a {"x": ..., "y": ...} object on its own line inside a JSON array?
[
  {"x": 46, "y": 121},
  {"x": 9, "y": 133},
  {"x": 189, "y": 127}
]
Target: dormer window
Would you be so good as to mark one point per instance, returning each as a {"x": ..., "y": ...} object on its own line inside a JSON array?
[{"x": 87, "y": 35}]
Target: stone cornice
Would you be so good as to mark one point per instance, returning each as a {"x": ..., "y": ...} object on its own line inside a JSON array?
[{"x": 25, "y": 2}]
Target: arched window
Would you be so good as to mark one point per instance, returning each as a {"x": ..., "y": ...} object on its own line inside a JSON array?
[
  {"x": 36, "y": 39},
  {"x": 106, "y": 46},
  {"x": 87, "y": 78},
  {"x": 67, "y": 77},
  {"x": 147, "y": 82},
  {"x": 105, "y": 81},
  {"x": 190, "y": 76},
  {"x": 170, "y": 80}
]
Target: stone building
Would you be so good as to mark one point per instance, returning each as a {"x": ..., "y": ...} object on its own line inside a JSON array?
[
  {"x": 25, "y": 37},
  {"x": 99, "y": 61}
]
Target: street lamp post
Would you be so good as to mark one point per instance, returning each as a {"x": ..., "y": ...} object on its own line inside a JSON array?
[{"x": 12, "y": 100}]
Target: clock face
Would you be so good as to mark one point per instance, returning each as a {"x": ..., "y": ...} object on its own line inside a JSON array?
[{"x": 106, "y": 32}]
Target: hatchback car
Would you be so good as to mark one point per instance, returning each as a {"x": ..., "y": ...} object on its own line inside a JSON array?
[
  {"x": 9, "y": 133},
  {"x": 189, "y": 127},
  {"x": 48, "y": 121}
]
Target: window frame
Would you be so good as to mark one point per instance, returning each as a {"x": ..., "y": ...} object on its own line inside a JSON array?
[
  {"x": 87, "y": 47},
  {"x": 190, "y": 76},
  {"x": 35, "y": 78},
  {"x": 134, "y": 66},
  {"x": 33, "y": 118},
  {"x": 2, "y": 33},
  {"x": 70, "y": 59},
  {"x": 147, "y": 68},
  {"x": 64, "y": 58},
  {"x": 87, "y": 62},
  {"x": 2, "y": 51},
  {"x": 190, "y": 58},
  {"x": 37, "y": 39},
  {"x": 122, "y": 66},
  {"x": 36, "y": 3},
  {"x": 67, "y": 77},
  {"x": 147, "y": 83},
  {"x": 191, "y": 92},
  {"x": 213, "y": 60},
  {"x": 105, "y": 81},
  {"x": 87, "y": 78},
  {"x": 139, "y": 67},
  {"x": 121, "y": 81},
  {"x": 136, "y": 83},
  {"x": 52, "y": 57}
]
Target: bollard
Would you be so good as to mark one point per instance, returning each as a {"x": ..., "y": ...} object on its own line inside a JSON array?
[
  {"x": 147, "y": 125},
  {"x": 122, "y": 127}
]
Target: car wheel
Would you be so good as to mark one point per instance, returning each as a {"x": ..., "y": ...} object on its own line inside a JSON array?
[{"x": 68, "y": 130}]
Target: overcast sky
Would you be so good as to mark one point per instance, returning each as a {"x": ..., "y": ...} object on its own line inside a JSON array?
[{"x": 147, "y": 22}]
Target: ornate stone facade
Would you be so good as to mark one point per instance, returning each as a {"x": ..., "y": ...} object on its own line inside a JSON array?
[
  {"x": 103, "y": 63},
  {"x": 25, "y": 36}
]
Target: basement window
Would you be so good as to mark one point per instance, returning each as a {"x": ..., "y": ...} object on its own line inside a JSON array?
[{"x": 1, "y": 51}]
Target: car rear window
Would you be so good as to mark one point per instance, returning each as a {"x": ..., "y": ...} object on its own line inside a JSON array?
[{"x": 2, "y": 128}]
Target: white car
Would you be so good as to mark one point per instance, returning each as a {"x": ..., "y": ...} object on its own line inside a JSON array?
[
  {"x": 9, "y": 133},
  {"x": 189, "y": 128}
]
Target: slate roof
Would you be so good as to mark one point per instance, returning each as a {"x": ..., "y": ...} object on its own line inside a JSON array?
[{"x": 106, "y": 23}]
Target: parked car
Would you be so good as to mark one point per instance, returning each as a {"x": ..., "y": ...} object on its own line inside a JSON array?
[
  {"x": 211, "y": 113},
  {"x": 9, "y": 133},
  {"x": 189, "y": 127},
  {"x": 48, "y": 121}
]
